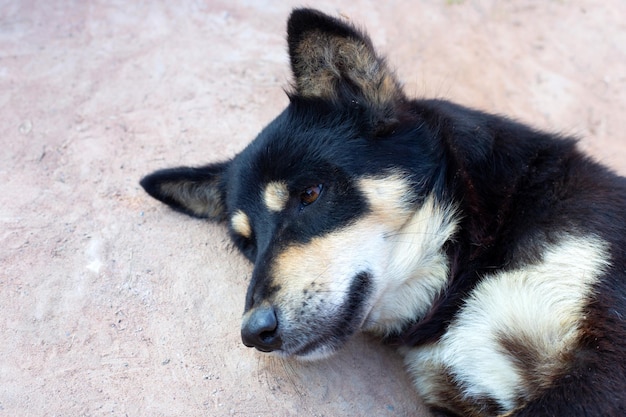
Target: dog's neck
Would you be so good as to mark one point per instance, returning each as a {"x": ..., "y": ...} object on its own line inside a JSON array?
[{"x": 417, "y": 270}]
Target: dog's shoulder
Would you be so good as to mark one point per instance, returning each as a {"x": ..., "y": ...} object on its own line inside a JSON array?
[{"x": 537, "y": 296}]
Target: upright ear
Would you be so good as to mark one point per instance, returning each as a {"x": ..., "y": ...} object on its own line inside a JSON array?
[
  {"x": 331, "y": 59},
  {"x": 198, "y": 192}
]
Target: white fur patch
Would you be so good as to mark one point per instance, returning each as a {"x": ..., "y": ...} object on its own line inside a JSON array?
[
  {"x": 276, "y": 195},
  {"x": 540, "y": 306},
  {"x": 416, "y": 270}
]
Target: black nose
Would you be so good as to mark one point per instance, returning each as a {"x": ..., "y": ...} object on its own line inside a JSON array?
[{"x": 259, "y": 330}]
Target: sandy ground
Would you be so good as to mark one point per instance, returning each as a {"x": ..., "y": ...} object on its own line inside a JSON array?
[{"x": 114, "y": 305}]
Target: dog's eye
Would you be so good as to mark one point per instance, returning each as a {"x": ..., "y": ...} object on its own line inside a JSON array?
[{"x": 311, "y": 194}]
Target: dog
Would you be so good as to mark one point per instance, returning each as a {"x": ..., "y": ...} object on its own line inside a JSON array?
[{"x": 492, "y": 254}]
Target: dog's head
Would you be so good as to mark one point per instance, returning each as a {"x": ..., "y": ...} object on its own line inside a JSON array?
[{"x": 333, "y": 202}]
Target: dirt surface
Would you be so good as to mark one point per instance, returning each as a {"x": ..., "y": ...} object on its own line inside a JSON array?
[{"x": 114, "y": 305}]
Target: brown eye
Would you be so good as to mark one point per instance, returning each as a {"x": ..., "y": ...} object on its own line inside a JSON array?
[{"x": 311, "y": 194}]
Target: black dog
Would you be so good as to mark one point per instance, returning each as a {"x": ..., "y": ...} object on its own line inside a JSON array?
[{"x": 494, "y": 254}]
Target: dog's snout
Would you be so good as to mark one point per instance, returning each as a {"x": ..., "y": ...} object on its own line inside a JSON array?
[{"x": 260, "y": 330}]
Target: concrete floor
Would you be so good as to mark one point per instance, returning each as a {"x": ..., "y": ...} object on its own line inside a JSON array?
[{"x": 114, "y": 305}]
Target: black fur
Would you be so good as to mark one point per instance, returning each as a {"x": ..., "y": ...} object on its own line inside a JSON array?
[{"x": 517, "y": 190}]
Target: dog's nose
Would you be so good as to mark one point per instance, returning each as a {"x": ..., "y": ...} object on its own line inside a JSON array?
[{"x": 259, "y": 330}]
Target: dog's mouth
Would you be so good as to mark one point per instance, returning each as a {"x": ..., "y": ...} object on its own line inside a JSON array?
[{"x": 315, "y": 329}]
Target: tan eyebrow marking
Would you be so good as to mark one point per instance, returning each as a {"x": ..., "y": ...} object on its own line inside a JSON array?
[
  {"x": 240, "y": 223},
  {"x": 276, "y": 195}
]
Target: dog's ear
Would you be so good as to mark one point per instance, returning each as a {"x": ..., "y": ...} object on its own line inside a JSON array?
[
  {"x": 198, "y": 192},
  {"x": 331, "y": 59}
]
